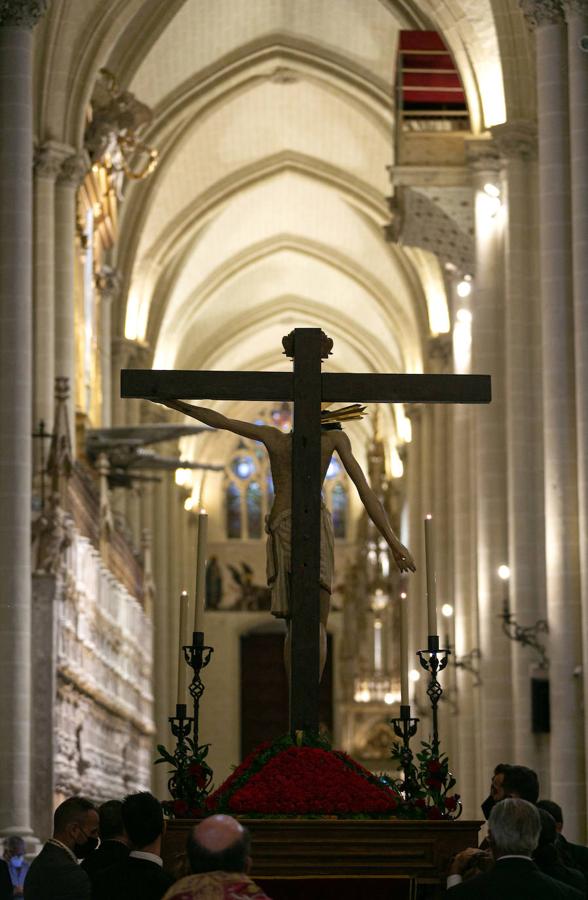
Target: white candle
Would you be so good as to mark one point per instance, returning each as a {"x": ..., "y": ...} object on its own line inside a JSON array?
[
  {"x": 404, "y": 696},
  {"x": 200, "y": 601},
  {"x": 181, "y": 661},
  {"x": 431, "y": 586}
]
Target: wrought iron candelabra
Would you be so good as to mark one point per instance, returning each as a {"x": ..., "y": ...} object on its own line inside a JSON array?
[
  {"x": 405, "y": 727},
  {"x": 197, "y": 656},
  {"x": 434, "y": 660}
]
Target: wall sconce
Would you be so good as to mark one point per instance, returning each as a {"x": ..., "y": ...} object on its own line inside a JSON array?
[{"x": 527, "y": 636}]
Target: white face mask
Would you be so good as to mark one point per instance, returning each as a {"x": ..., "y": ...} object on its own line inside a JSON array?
[{"x": 17, "y": 861}]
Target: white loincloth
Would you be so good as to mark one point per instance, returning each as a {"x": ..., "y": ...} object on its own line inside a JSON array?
[{"x": 278, "y": 561}]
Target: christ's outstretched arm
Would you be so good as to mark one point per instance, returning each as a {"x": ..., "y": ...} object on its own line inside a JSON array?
[
  {"x": 263, "y": 433},
  {"x": 374, "y": 508}
]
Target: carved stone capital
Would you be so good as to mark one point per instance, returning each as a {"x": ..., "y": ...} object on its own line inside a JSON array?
[
  {"x": 440, "y": 352},
  {"x": 482, "y": 156},
  {"x": 22, "y": 13},
  {"x": 575, "y": 8},
  {"x": 516, "y": 139},
  {"x": 73, "y": 169},
  {"x": 48, "y": 159},
  {"x": 108, "y": 283},
  {"x": 542, "y": 12}
]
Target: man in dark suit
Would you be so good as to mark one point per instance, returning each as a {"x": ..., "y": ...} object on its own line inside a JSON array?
[
  {"x": 55, "y": 873},
  {"x": 6, "y": 891},
  {"x": 514, "y": 828},
  {"x": 140, "y": 876},
  {"x": 572, "y": 854},
  {"x": 114, "y": 843}
]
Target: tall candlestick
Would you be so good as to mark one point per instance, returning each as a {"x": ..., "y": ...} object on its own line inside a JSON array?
[
  {"x": 431, "y": 586},
  {"x": 181, "y": 661},
  {"x": 200, "y": 601},
  {"x": 404, "y": 696}
]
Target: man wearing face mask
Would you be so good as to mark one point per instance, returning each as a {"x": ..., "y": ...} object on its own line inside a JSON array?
[{"x": 55, "y": 873}]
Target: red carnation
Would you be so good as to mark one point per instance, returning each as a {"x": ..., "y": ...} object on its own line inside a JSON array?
[
  {"x": 180, "y": 808},
  {"x": 451, "y": 802},
  {"x": 198, "y": 773},
  {"x": 434, "y": 766},
  {"x": 434, "y": 812}
]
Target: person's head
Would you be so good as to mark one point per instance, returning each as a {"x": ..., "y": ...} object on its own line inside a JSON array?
[
  {"x": 554, "y": 810},
  {"x": 514, "y": 827},
  {"x": 519, "y": 781},
  {"x": 75, "y": 824},
  {"x": 14, "y": 847},
  {"x": 143, "y": 820},
  {"x": 497, "y": 783},
  {"x": 111, "y": 822},
  {"x": 218, "y": 844}
]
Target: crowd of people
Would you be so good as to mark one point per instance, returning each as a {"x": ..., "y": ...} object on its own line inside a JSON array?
[{"x": 114, "y": 852}]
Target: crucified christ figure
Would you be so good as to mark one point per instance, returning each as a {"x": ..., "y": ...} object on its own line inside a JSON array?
[{"x": 278, "y": 526}]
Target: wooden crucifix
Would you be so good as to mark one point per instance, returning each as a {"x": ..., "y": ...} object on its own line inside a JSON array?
[{"x": 307, "y": 387}]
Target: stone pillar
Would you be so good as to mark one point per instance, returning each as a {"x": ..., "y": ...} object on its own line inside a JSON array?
[
  {"x": 173, "y": 583},
  {"x": 559, "y": 413},
  {"x": 17, "y": 19},
  {"x": 577, "y": 16},
  {"x": 517, "y": 143},
  {"x": 71, "y": 174},
  {"x": 108, "y": 287},
  {"x": 489, "y": 459},
  {"x": 47, "y": 164},
  {"x": 416, "y": 582}
]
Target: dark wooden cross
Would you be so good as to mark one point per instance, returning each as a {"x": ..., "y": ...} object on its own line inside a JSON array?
[{"x": 307, "y": 387}]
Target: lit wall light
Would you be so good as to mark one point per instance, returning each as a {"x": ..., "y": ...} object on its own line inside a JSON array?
[
  {"x": 181, "y": 477},
  {"x": 189, "y": 504},
  {"x": 490, "y": 199},
  {"x": 464, "y": 287},
  {"x": 414, "y": 675},
  {"x": 447, "y": 610},
  {"x": 405, "y": 429},
  {"x": 504, "y": 572}
]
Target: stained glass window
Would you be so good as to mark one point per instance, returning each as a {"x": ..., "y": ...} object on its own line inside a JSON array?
[
  {"x": 254, "y": 510},
  {"x": 339, "y": 510},
  {"x": 243, "y": 466},
  {"x": 233, "y": 496}
]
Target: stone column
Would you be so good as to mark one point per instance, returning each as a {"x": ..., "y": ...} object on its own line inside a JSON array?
[
  {"x": 71, "y": 174},
  {"x": 47, "y": 164},
  {"x": 559, "y": 413},
  {"x": 517, "y": 143},
  {"x": 416, "y": 582},
  {"x": 173, "y": 583},
  {"x": 489, "y": 458},
  {"x": 17, "y": 19},
  {"x": 577, "y": 16},
  {"x": 108, "y": 287}
]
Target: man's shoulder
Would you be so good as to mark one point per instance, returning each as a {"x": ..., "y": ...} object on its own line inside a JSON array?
[
  {"x": 53, "y": 873},
  {"x": 514, "y": 882}
]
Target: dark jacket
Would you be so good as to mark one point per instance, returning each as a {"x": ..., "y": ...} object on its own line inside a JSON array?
[
  {"x": 513, "y": 879},
  {"x": 107, "y": 854},
  {"x": 573, "y": 854},
  {"x": 54, "y": 875},
  {"x": 131, "y": 879},
  {"x": 5, "y": 882}
]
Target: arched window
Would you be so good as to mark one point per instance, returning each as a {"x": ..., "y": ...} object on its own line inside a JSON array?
[
  {"x": 233, "y": 500},
  {"x": 254, "y": 510},
  {"x": 339, "y": 510}
]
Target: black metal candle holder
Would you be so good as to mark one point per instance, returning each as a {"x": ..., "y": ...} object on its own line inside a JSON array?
[
  {"x": 181, "y": 725},
  {"x": 433, "y": 660},
  {"x": 197, "y": 656},
  {"x": 405, "y": 728}
]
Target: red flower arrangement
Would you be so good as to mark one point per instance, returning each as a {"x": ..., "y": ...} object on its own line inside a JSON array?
[{"x": 306, "y": 779}]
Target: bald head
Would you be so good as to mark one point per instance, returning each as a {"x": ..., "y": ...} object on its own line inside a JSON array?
[{"x": 218, "y": 844}]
